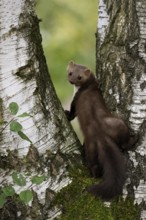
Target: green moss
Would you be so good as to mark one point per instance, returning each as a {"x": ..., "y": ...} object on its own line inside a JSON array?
[{"x": 76, "y": 203}]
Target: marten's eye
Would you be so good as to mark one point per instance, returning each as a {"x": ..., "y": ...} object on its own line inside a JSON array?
[
  {"x": 79, "y": 77},
  {"x": 70, "y": 73}
]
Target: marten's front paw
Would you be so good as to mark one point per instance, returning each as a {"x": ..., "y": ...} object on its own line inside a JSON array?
[
  {"x": 67, "y": 114},
  {"x": 70, "y": 115}
]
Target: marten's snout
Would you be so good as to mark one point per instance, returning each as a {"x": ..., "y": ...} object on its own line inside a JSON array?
[
  {"x": 71, "y": 82},
  {"x": 70, "y": 77}
]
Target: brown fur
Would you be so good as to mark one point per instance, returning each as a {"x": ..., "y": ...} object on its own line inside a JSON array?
[{"x": 104, "y": 133}]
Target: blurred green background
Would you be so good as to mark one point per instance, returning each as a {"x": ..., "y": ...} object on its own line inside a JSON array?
[{"x": 68, "y": 31}]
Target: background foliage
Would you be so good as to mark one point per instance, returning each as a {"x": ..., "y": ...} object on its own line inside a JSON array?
[{"x": 68, "y": 30}]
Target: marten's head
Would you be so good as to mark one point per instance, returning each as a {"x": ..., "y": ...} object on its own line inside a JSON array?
[{"x": 78, "y": 74}]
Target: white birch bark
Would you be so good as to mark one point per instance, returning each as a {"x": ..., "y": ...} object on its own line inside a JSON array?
[
  {"x": 122, "y": 30},
  {"x": 16, "y": 53},
  {"x": 24, "y": 79}
]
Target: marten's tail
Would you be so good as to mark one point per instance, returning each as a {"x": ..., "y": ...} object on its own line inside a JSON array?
[{"x": 114, "y": 171}]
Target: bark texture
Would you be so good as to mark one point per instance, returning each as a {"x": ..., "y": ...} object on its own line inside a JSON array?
[
  {"x": 121, "y": 69},
  {"x": 24, "y": 79}
]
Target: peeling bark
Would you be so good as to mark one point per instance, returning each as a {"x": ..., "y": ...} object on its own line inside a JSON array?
[
  {"x": 121, "y": 69},
  {"x": 24, "y": 79}
]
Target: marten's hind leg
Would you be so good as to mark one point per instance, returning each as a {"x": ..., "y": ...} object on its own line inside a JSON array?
[{"x": 91, "y": 158}]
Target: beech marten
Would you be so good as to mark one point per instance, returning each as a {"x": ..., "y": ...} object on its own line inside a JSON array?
[{"x": 104, "y": 134}]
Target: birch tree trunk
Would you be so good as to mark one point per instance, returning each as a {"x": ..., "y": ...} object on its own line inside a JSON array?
[
  {"x": 121, "y": 69},
  {"x": 48, "y": 139}
]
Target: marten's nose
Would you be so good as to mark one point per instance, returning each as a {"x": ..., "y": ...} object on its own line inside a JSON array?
[{"x": 71, "y": 81}]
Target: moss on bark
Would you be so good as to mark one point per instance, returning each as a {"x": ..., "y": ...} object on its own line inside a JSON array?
[{"x": 75, "y": 203}]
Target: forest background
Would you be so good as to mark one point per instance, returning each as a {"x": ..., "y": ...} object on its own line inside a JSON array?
[{"x": 68, "y": 30}]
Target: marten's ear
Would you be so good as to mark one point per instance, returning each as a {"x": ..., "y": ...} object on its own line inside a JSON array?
[
  {"x": 71, "y": 63},
  {"x": 87, "y": 72}
]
